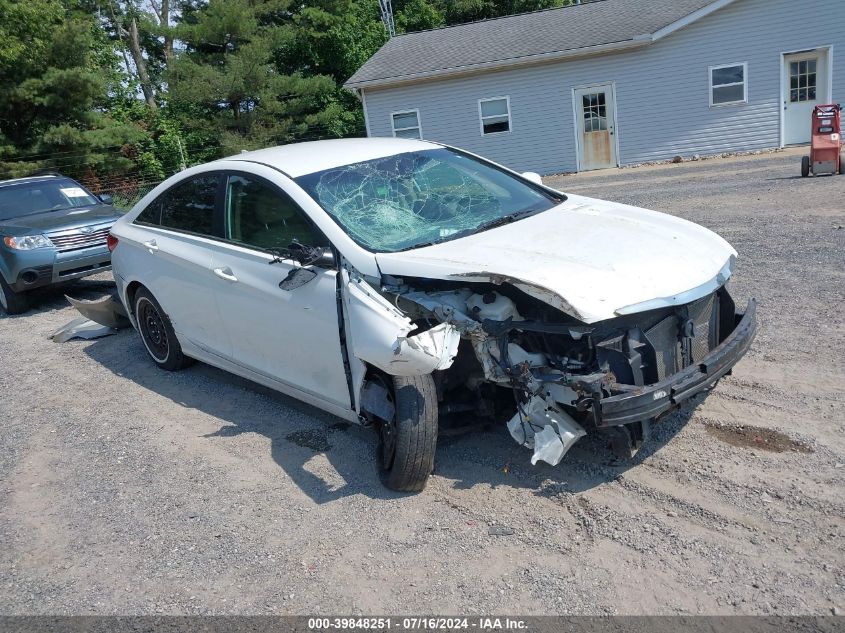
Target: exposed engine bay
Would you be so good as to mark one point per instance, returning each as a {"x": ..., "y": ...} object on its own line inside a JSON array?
[{"x": 500, "y": 353}]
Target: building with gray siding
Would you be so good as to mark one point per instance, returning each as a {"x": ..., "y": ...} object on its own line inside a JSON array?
[{"x": 612, "y": 82}]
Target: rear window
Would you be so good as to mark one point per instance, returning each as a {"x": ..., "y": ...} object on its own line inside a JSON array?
[{"x": 30, "y": 198}]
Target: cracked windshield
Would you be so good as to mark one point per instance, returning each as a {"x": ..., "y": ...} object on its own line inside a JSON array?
[{"x": 420, "y": 198}]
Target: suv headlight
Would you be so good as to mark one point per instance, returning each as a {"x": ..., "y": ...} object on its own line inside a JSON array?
[{"x": 27, "y": 242}]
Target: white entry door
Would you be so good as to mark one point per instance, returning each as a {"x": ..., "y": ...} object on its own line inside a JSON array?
[
  {"x": 805, "y": 86},
  {"x": 596, "y": 127}
]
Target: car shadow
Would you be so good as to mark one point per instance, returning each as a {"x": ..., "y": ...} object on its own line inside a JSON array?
[
  {"x": 299, "y": 433},
  {"x": 800, "y": 177},
  {"x": 498, "y": 461}
]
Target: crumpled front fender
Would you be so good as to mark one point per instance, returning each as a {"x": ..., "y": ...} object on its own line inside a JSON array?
[{"x": 380, "y": 335}]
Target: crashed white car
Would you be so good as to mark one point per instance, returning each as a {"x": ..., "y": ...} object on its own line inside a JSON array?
[{"x": 401, "y": 283}]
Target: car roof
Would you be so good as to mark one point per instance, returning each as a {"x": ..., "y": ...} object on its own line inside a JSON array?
[{"x": 299, "y": 159}]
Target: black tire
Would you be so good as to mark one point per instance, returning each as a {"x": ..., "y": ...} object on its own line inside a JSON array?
[
  {"x": 805, "y": 166},
  {"x": 627, "y": 440},
  {"x": 157, "y": 333},
  {"x": 12, "y": 302},
  {"x": 842, "y": 164},
  {"x": 408, "y": 442}
]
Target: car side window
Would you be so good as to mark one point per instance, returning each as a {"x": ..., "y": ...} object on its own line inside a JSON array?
[
  {"x": 259, "y": 215},
  {"x": 151, "y": 216},
  {"x": 188, "y": 206}
]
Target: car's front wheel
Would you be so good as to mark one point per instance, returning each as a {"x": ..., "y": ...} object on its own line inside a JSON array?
[
  {"x": 10, "y": 301},
  {"x": 157, "y": 333},
  {"x": 407, "y": 443}
]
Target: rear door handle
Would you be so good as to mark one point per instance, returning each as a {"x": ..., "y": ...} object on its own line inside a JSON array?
[
  {"x": 151, "y": 246},
  {"x": 225, "y": 273}
]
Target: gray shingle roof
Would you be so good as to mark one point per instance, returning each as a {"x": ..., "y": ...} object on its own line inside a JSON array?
[{"x": 519, "y": 38}]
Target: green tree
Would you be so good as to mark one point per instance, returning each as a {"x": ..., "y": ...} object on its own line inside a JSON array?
[
  {"x": 331, "y": 38},
  {"x": 56, "y": 73},
  {"x": 418, "y": 15},
  {"x": 129, "y": 90},
  {"x": 236, "y": 80}
]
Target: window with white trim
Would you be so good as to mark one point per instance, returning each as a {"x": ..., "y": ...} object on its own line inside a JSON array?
[
  {"x": 728, "y": 84},
  {"x": 495, "y": 115},
  {"x": 406, "y": 124},
  {"x": 802, "y": 81}
]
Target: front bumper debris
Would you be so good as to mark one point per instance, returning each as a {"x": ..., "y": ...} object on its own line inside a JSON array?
[
  {"x": 101, "y": 317},
  {"x": 107, "y": 311},
  {"x": 629, "y": 403},
  {"x": 545, "y": 428}
]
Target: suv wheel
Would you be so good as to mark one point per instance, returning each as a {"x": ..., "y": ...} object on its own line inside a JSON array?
[
  {"x": 10, "y": 301},
  {"x": 157, "y": 333}
]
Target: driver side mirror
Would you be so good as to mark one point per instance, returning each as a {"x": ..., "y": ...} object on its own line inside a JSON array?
[
  {"x": 106, "y": 198},
  {"x": 321, "y": 256},
  {"x": 533, "y": 177}
]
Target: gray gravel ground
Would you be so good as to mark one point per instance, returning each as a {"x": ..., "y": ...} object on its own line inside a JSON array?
[{"x": 124, "y": 489}]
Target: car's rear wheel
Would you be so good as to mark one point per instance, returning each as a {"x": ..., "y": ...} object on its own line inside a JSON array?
[
  {"x": 157, "y": 333},
  {"x": 12, "y": 302},
  {"x": 407, "y": 443},
  {"x": 805, "y": 166}
]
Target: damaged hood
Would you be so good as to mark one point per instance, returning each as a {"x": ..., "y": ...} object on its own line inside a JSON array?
[{"x": 592, "y": 259}]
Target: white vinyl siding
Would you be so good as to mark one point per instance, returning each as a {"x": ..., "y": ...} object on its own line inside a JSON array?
[
  {"x": 728, "y": 84},
  {"x": 495, "y": 115},
  {"x": 406, "y": 124},
  {"x": 662, "y": 93}
]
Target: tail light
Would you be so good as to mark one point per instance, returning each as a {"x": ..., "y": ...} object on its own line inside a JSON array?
[{"x": 111, "y": 242}]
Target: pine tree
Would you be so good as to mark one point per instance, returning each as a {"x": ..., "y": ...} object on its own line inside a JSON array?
[
  {"x": 234, "y": 80},
  {"x": 55, "y": 70}
]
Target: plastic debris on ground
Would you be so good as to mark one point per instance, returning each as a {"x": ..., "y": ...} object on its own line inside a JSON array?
[{"x": 101, "y": 317}]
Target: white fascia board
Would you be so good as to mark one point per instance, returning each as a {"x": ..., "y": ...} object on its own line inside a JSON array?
[{"x": 689, "y": 19}]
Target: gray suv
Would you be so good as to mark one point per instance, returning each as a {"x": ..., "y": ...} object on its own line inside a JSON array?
[{"x": 52, "y": 230}]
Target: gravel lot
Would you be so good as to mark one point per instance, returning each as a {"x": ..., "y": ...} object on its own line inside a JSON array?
[{"x": 124, "y": 489}]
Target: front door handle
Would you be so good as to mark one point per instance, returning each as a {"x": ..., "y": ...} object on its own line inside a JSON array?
[
  {"x": 225, "y": 273},
  {"x": 151, "y": 246}
]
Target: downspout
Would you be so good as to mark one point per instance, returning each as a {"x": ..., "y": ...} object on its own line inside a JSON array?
[{"x": 364, "y": 105}]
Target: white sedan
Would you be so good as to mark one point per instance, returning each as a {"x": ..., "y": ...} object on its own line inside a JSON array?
[{"x": 402, "y": 284}]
